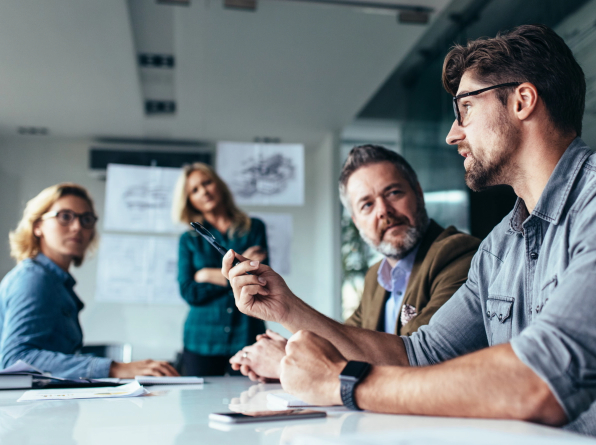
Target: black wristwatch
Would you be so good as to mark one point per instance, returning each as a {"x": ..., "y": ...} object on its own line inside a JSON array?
[{"x": 353, "y": 373}]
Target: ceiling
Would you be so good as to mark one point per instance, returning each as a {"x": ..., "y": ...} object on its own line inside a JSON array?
[{"x": 289, "y": 70}]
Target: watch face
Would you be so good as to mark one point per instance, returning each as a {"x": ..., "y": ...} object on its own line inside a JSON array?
[{"x": 355, "y": 370}]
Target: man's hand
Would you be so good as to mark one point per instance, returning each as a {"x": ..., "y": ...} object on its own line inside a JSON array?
[
  {"x": 256, "y": 253},
  {"x": 310, "y": 370},
  {"x": 261, "y": 361},
  {"x": 143, "y": 367},
  {"x": 263, "y": 294}
]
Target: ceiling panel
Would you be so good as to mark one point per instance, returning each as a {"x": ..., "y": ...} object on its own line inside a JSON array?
[
  {"x": 290, "y": 70},
  {"x": 68, "y": 65}
]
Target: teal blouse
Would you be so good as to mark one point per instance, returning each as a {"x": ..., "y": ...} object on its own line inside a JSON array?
[{"x": 214, "y": 325}]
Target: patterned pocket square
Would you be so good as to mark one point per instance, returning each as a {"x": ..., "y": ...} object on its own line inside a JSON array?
[{"x": 408, "y": 312}]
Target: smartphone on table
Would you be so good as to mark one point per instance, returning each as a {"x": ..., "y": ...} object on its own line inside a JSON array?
[{"x": 266, "y": 416}]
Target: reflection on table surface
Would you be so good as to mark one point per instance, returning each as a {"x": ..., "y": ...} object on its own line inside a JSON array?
[{"x": 179, "y": 415}]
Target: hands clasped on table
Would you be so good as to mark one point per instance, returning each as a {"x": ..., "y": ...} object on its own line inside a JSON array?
[{"x": 262, "y": 360}]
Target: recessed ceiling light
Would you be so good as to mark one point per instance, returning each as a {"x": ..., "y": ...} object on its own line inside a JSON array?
[
  {"x": 33, "y": 131},
  {"x": 174, "y": 2},
  {"x": 245, "y": 5}
]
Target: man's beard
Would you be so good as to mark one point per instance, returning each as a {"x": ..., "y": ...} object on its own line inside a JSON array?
[
  {"x": 409, "y": 240},
  {"x": 482, "y": 174}
]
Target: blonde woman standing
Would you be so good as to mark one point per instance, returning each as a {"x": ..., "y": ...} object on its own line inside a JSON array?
[
  {"x": 214, "y": 329},
  {"x": 39, "y": 310}
]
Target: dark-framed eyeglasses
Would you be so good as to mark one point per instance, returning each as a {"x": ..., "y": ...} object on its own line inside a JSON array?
[
  {"x": 66, "y": 217},
  {"x": 458, "y": 112}
]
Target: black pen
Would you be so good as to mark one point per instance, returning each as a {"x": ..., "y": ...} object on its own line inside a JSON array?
[{"x": 211, "y": 240}]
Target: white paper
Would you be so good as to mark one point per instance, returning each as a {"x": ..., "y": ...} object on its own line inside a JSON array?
[
  {"x": 263, "y": 174},
  {"x": 21, "y": 367},
  {"x": 133, "y": 389},
  {"x": 138, "y": 269},
  {"x": 114, "y": 380},
  {"x": 151, "y": 380},
  {"x": 139, "y": 199},
  {"x": 279, "y": 239}
]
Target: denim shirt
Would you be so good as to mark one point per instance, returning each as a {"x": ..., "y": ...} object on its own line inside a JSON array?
[
  {"x": 532, "y": 284},
  {"x": 39, "y": 321}
]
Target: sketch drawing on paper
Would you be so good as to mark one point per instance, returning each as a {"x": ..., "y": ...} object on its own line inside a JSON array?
[
  {"x": 147, "y": 196},
  {"x": 138, "y": 269},
  {"x": 266, "y": 175},
  {"x": 139, "y": 199},
  {"x": 263, "y": 174}
]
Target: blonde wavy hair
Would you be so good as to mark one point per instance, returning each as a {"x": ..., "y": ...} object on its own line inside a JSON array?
[
  {"x": 183, "y": 211},
  {"x": 23, "y": 242}
]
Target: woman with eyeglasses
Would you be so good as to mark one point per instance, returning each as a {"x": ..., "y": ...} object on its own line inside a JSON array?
[
  {"x": 215, "y": 329},
  {"x": 39, "y": 310}
]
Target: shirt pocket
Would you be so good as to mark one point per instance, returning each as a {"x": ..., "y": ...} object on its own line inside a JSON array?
[{"x": 499, "y": 310}]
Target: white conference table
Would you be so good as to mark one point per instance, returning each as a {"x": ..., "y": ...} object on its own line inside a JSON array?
[{"x": 179, "y": 415}]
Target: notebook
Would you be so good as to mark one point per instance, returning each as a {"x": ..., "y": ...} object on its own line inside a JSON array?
[
  {"x": 13, "y": 381},
  {"x": 150, "y": 380}
]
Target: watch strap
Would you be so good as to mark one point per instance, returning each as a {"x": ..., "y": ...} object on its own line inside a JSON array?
[{"x": 348, "y": 386}]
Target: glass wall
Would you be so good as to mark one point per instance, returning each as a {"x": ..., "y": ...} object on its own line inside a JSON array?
[{"x": 414, "y": 104}]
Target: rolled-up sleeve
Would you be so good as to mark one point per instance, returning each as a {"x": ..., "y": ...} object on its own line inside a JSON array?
[{"x": 560, "y": 345}]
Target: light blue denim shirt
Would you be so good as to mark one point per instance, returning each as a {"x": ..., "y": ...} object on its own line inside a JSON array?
[
  {"x": 395, "y": 280},
  {"x": 532, "y": 283},
  {"x": 39, "y": 321}
]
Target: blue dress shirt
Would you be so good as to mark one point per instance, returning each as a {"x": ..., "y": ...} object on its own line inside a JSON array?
[
  {"x": 395, "y": 281},
  {"x": 39, "y": 321}
]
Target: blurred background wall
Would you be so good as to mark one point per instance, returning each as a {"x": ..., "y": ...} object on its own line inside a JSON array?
[{"x": 72, "y": 77}]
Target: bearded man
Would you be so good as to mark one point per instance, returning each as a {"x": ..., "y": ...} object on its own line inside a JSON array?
[
  {"x": 518, "y": 339},
  {"x": 424, "y": 264}
]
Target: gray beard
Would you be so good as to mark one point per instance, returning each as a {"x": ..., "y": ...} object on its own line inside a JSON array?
[{"x": 411, "y": 238}]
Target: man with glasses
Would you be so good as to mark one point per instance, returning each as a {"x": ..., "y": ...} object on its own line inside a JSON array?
[{"x": 518, "y": 339}]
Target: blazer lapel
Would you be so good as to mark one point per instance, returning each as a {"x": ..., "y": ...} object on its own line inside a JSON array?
[{"x": 411, "y": 294}]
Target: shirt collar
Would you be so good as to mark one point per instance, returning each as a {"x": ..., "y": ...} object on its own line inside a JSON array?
[
  {"x": 52, "y": 267},
  {"x": 385, "y": 274},
  {"x": 554, "y": 196}
]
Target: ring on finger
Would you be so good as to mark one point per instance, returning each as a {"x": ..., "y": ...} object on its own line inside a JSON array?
[{"x": 245, "y": 354}]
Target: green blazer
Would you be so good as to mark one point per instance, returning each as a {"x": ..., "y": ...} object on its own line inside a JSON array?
[
  {"x": 214, "y": 325},
  {"x": 440, "y": 268}
]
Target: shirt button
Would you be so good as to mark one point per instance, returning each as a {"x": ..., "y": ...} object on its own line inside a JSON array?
[
  {"x": 488, "y": 313},
  {"x": 534, "y": 255},
  {"x": 227, "y": 329},
  {"x": 230, "y": 310}
]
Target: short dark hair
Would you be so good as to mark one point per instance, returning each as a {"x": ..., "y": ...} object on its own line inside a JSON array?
[
  {"x": 364, "y": 155},
  {"x": 528, "y": 53}
]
